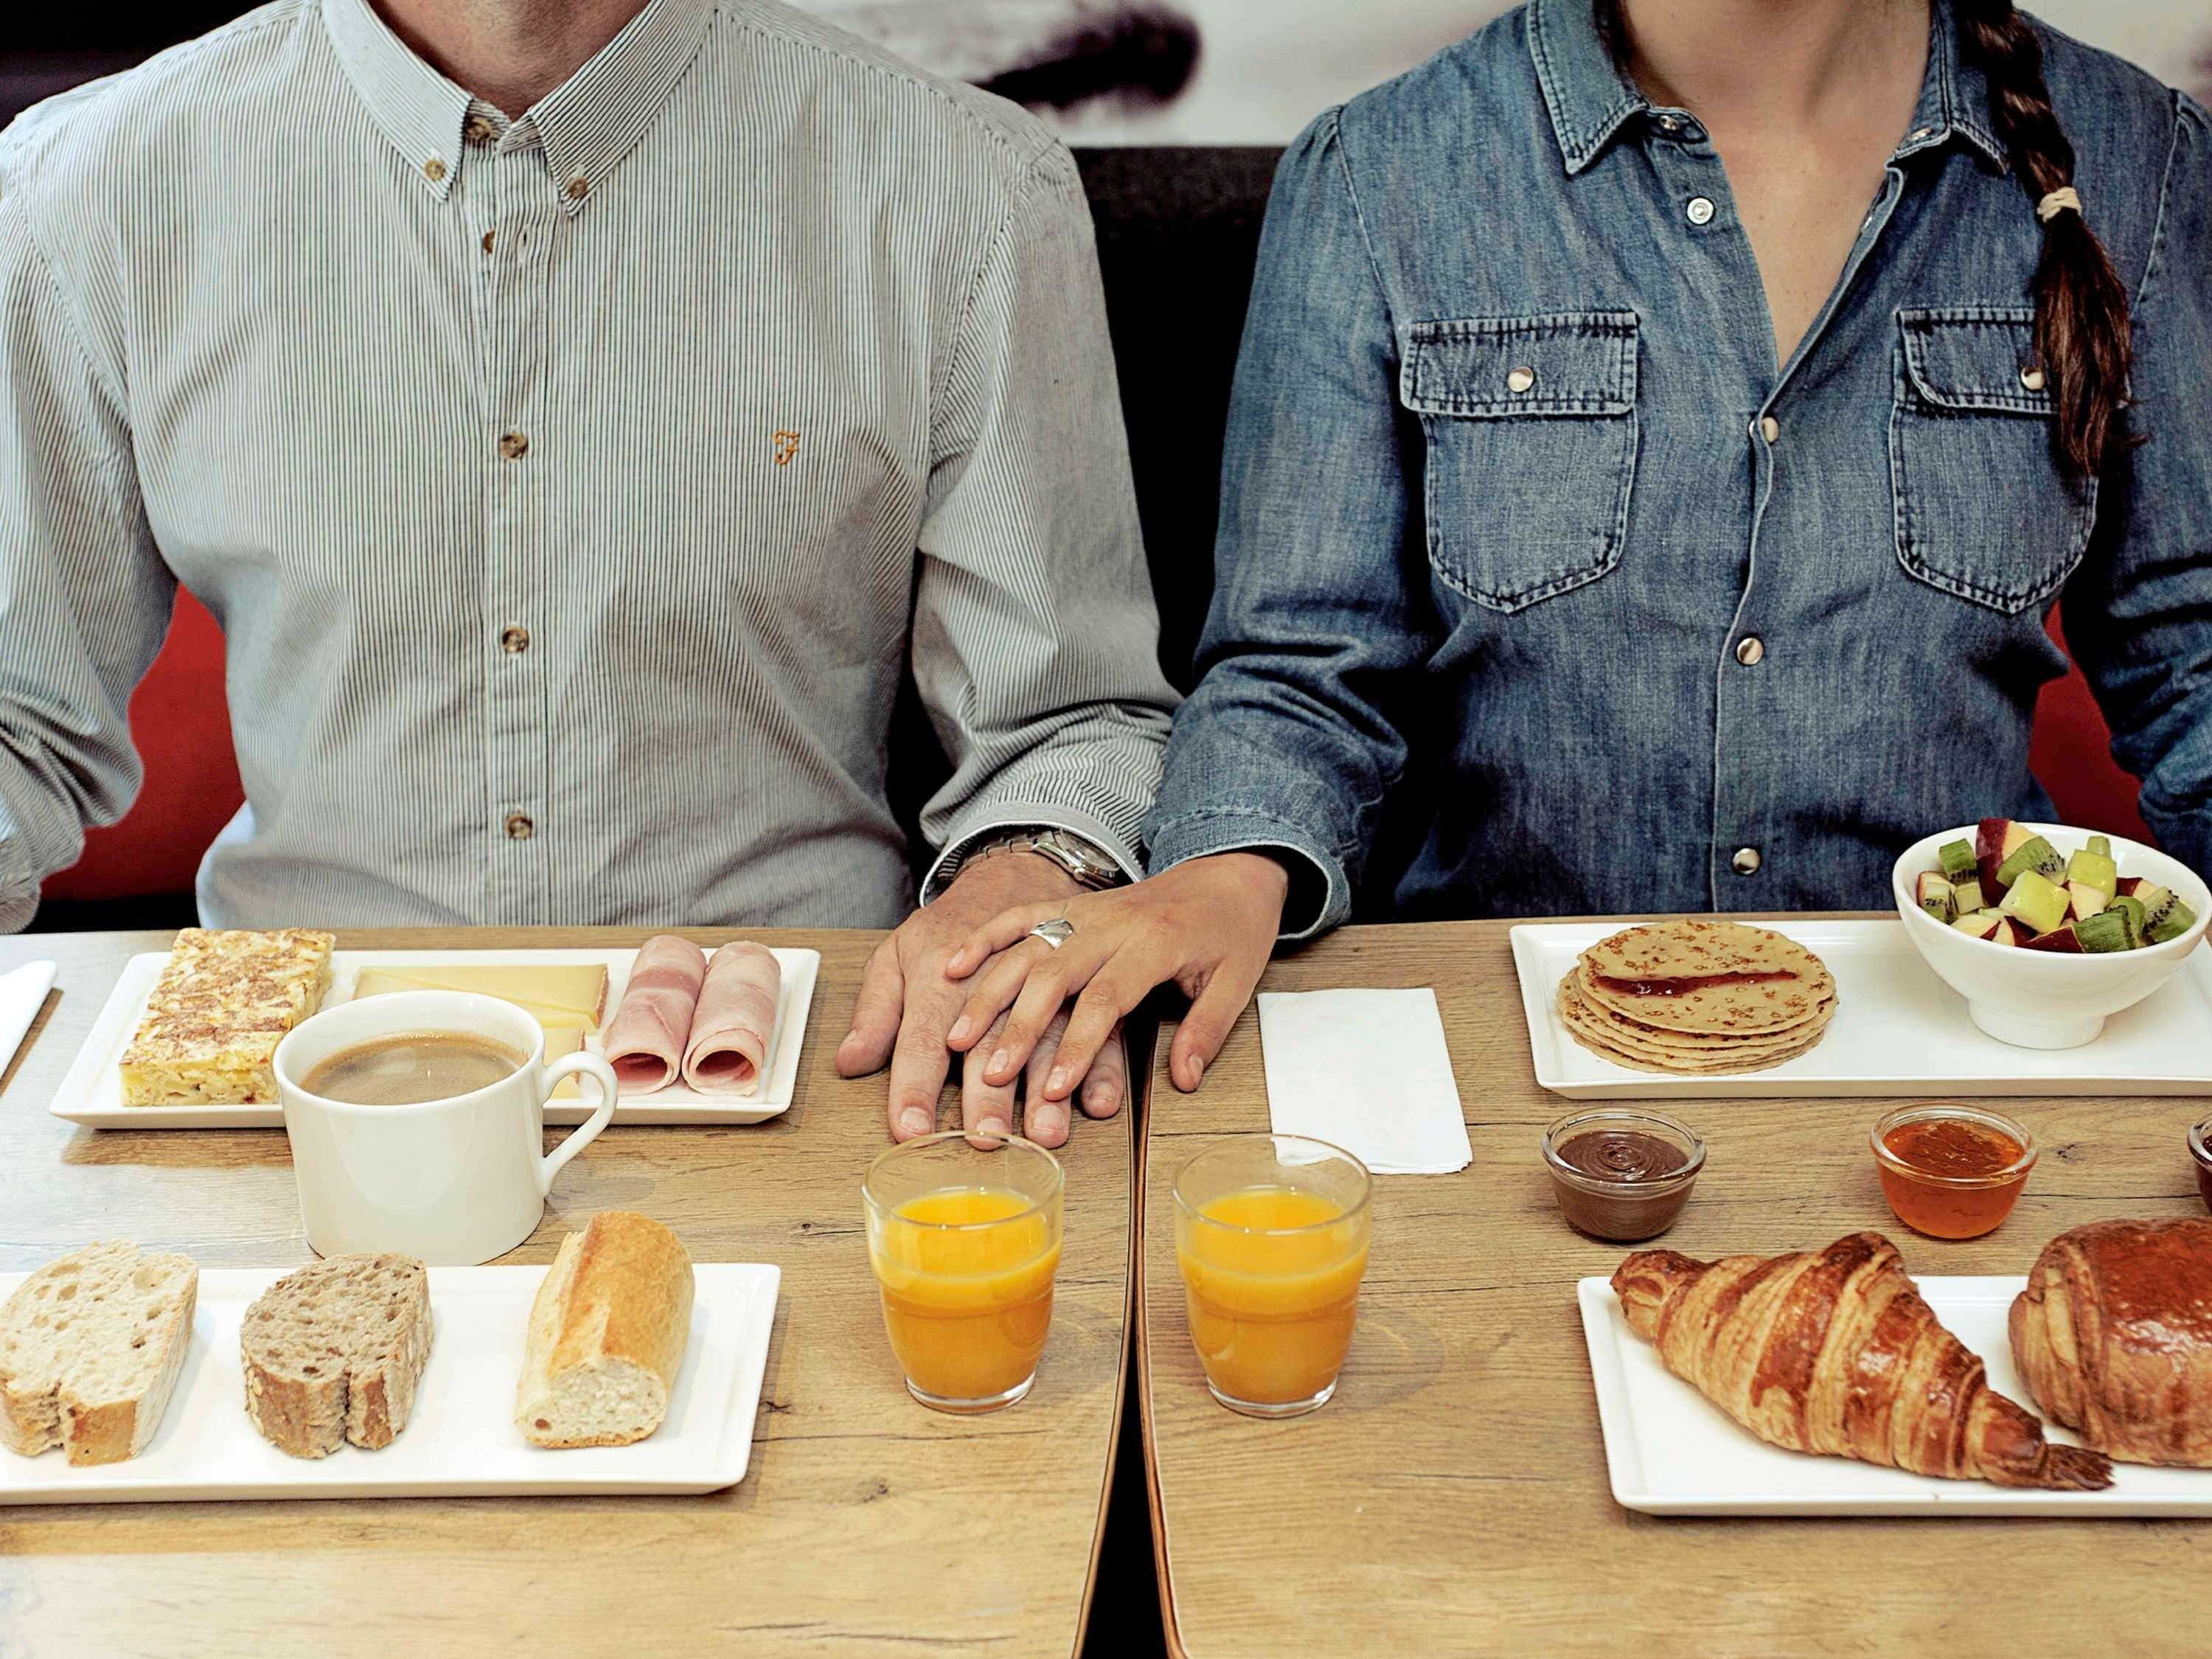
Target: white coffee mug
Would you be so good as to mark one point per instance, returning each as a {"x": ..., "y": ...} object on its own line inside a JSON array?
[{"x": 454, "y": 1182}]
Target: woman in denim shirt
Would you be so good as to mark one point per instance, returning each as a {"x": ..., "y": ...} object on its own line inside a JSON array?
[{"x": 1660, "y": 433}]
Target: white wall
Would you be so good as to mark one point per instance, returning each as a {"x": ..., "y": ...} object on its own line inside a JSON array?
[{"x": 1269, "y": 66}]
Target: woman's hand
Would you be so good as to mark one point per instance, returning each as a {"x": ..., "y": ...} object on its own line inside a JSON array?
[{"x": 1208, "y": 924}]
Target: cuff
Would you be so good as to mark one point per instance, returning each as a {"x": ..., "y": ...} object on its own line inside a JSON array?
[
  {"x": 1002, "y": 817},
  {"x": 1321, "y": 891},
  {"x": 19, "y": 890}
]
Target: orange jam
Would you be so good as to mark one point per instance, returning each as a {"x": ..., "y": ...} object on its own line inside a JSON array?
[{"x": 1951, "y": 1173}]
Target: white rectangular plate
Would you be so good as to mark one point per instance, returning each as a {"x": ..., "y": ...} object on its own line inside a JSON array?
[
  {"x": 1898, "y": 1031},
  {"x": 462, "y": 1441},
  {"x": 1671, "y": 1451},
  {"x": 92, "y": 1093}
]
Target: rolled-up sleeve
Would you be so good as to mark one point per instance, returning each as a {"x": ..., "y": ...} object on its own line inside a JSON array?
[
  {"x": 2139, "y": 615},
  {"x": 1288, "y": 743},
  {"x": 1036, "y": 638},
  {"x": 84, "y": 596}
]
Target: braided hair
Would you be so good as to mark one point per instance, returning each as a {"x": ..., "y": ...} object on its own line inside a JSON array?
[{"x": 2081, "y": 329}]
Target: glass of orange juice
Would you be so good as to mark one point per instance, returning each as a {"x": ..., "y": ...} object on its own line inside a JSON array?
[
  {"x": 1272, "y": 1234},
  {"x": 964, "y": 1233}
]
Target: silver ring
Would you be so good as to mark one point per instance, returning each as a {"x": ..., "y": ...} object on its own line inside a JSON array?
[{"x": 1056, "y": 932}]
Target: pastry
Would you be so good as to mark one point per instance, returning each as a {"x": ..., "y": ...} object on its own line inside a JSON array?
[
  {"x": 1833, "y": 1352},
  {"x": 2114, "y": 1337}
]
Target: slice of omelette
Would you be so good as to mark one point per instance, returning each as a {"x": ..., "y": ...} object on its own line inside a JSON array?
[{"x": 221, "y": 1005}]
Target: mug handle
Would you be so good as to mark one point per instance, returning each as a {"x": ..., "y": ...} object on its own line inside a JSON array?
[{"x": 587, "y": 1132}]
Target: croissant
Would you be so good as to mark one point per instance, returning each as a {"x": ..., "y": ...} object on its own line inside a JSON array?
[
  {"x": 2114, "y": 1337},
  {"x": 1833, "y": 1352}
]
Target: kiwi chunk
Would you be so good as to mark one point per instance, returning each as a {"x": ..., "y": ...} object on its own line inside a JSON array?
[
  {"x": 2105, "y": 932},
  {"x": 1958, "y": 858},
  {"x": 2175, "y": 921},
  {"x": 2034, "y": 853}
]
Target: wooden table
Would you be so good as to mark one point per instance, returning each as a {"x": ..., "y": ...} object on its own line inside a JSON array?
[
  {"x": 866, "y": 1523},
  {"x": 1453, "y": 1500}
]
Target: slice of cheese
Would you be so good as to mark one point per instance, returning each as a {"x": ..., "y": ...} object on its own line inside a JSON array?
[
  {"x": 564, "y": 1040},
  {"x": 552, "y": 994}
]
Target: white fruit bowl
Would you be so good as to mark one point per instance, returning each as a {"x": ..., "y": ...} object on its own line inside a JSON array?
[{"x": 2040, "y": 999}]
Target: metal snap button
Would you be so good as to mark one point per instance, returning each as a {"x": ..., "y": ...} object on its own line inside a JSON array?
[
  {"x": 1700, "y": 210},
  {"x": 1748, "y": 651},
  {"x": 1520, "y": 379},
  {"x": 2031, "y": 378},
  {"x": 1746, "y": 861}
]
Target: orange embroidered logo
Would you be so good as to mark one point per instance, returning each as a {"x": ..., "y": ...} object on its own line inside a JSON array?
[{"x": 787, "y": 445}]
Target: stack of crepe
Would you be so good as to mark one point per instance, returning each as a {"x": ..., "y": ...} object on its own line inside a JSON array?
[{"x": 1697, "y": 996}]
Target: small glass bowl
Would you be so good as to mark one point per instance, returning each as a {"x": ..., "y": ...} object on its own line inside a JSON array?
[
  {"x": 1623, "y": 1205},
  {"x": 1951, "y": 1206},
  {"x": 2200, "y": 1150}
]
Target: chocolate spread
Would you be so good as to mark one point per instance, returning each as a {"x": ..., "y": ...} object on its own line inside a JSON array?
[{"x": 1639, "y": 1199}]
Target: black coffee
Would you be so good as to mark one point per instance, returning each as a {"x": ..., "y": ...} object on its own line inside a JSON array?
[{"x": 409, "y": 1067}]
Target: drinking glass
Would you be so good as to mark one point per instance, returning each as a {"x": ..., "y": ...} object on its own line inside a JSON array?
[
  {"x": 964, "y": 1233},
  {"x": 1272, "y": 1234}
]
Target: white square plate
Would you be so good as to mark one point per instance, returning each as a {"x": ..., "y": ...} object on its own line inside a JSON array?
[
  {"x": 461, "y": 1441},
  {"x": 1671, "y": 1451},
  {"x": 1898, "y": 1031},
  {"x": 92, "y": 1093}
]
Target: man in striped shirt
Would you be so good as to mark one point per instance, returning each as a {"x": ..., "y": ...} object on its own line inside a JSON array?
[{"x": 580, "y": 414}]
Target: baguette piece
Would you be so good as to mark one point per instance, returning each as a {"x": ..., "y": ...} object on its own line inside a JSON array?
[
  {"x": 606, "y": 1336},
  {"x": 91, "y": 1346},
  {"x": 334, "y": 1354}
]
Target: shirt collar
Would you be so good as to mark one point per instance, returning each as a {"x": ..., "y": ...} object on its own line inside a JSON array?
[
  {"x": 587, "y": 125},
  {"x": 1589, "y": 100}
]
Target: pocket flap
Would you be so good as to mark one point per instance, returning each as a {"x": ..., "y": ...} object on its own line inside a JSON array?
[
  {"x": 1578, "y": 363},
  {"x": 1973, "y": 358}
]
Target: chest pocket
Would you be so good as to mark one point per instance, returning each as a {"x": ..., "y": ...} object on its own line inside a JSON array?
[
  {"x": 1529, "y": 424},
  {"x": 1983, "y": 511}
]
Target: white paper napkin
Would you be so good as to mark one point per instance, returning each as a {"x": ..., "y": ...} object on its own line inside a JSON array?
[{"x": 1368, "y": 1071}]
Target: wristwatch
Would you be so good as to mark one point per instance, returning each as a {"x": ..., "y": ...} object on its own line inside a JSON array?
[{"x": 1089, "y": 866}]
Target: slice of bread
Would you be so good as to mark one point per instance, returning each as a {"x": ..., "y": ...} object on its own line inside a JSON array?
[
  {"x": 334, "y": 1352},
  {"x": 606, "y": 1336},
  {"x": 91, "y": 1346}
]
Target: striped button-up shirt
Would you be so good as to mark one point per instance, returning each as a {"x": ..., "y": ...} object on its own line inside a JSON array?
[{"x": 574, "y": 491}]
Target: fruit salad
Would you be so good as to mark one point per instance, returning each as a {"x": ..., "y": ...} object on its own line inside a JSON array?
[{"x": 2009, "y": 885}]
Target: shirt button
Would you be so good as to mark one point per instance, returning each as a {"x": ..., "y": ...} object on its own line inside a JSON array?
[
  {"x": 487, "y": 240},
  {"x": 479, "y": 130},
  {"x": 520, "y": 828},
  {"x": 578, "y": 188},
  {"x": 513, "y": 446},
  {"x": 1520, "y": 379},
  {"x": 1700, "y": 210},
  {"x": 1768, "y": 428},
  {"x": 1744, "y": 863},
  {"x": 2031, "y": 378},
  {"x": 1670, "y": 124},
  {"x": 514, "y": 640},
  {"x": 434, "y": 169},
  {"x": 1748, "y": 651},
  {"x": 1918, "y": 133}
]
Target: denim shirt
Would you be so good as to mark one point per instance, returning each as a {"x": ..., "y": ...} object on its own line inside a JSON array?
[{"x": 1544, "y": 589}]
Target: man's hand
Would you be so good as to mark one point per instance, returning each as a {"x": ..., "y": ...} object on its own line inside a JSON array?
[
  {"x": 1208, "y": 924},
  {"x": 907, "y": 1004}
]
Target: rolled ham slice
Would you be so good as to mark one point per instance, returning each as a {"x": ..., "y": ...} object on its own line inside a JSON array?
[
  {"x": 645, "y": 1040},
  {"x": 733, "y": 1021}
]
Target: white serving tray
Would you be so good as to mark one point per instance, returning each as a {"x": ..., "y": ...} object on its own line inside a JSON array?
[
  {"x": 1898, "y": 1031},
  {"x": 92, "y": 1093},
  {"x": 461, "y": 1441},
  {"x": 1671, "y": 1451}
]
